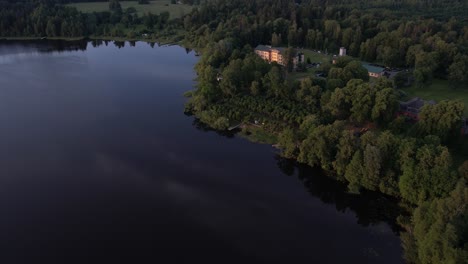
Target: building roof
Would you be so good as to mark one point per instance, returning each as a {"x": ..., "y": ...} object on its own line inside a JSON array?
[
  {"x": 270, "y": 48},
  {"x": 372, "y": 68},
  {"x": 263, "y": 48},
  {"x": 281, "y": 50}
]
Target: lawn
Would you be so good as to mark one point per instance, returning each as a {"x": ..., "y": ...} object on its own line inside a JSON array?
[
  {"x": 439, "y": 90},
  {"x": 155, "y": 7},
  {"x": 315, "y": 56}
]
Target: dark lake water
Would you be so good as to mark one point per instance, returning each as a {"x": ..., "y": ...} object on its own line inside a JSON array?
[{"x": 99, "y": 164}]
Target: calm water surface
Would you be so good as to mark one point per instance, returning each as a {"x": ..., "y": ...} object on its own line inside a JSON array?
[{"x": 99, "y": 164}]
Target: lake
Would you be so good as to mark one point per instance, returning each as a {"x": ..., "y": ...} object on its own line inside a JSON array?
[{"x": 99, "y": 164}]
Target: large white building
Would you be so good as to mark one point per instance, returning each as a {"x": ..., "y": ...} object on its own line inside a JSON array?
[{"x": 276, "y": 54}]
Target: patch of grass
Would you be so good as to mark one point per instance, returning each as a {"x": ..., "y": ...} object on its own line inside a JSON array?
[
  {"x": 154, "y": 7},
  {"x": 258, "y": 135},
  {"x": 439, "y": 90},
  {"x": 315, "y": 56}
]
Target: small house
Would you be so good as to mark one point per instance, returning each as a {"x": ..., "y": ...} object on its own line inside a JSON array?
[
  {"x": 334, "y": 60},
  {"x": 374, "y": 70}
]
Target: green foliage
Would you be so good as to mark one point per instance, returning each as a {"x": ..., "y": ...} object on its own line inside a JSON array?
[
  {"x": 213, "y": 119},
  {"x": 339, "y": 103},
  {"x": 443, "y": 119},
  {"x": 440, "y": 228},
  {"x": 426, "y": 172},
  {"x": 362, "y": 99},
  {"x": 385, "y": 106},
  {"x": 309, "y": 94},
  {"x": 363, "y": 102},
  {"x": 345, "y": 70},
  {"x": 401, "y": 79},
  {"x": 355, "y": 172},
  {"x": 458, "y": 76},
  {"x": 114, "y": 6},
  {"x": 320, "y": 146},
  {"x": 347, "y": 146},
  {"x": 288, "y": 143}
]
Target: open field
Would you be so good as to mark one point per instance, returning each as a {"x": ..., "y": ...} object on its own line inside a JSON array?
[
  {"x": 439, "y": 90},
  {"x": 315, "y": 56},
  {"x": 154, "y": 7}
]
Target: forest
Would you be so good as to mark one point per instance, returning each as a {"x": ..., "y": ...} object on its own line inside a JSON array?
[
  {"x": 345, "y": 123},
  {"x": 49, "y": 18}
]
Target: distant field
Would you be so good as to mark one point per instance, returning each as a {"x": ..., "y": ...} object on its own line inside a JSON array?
[
  {"x": 439, "y": 90},
  {"x": 155, "y": 7}
]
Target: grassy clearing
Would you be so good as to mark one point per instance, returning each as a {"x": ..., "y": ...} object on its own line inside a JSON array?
[
  {"x": 154, "y": 7},
  {"x": 315, "y": 56},
  {"x": 258, "y": 135},
  {"x": 439, "y": 90}
]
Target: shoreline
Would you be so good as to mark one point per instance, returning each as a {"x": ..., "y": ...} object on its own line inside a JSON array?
[{"x": 161, "y": 42}]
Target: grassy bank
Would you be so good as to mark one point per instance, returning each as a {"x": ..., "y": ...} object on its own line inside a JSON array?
[
  {"x": 258, "y": 135},
  {"x": 154, "y": 7}
]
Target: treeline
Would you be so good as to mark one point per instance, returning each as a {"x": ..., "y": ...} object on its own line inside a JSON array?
[
  {"x": 50, "y": 19},
  {"x": 395, "y": 38},
  {"x": 396, "y": 4}
]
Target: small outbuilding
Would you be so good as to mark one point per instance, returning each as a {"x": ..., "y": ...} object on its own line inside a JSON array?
[
  {"x": 342, "y": 52},
  {"x": 412, "y": 107},
  {"x": 374, "y": 70}
]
